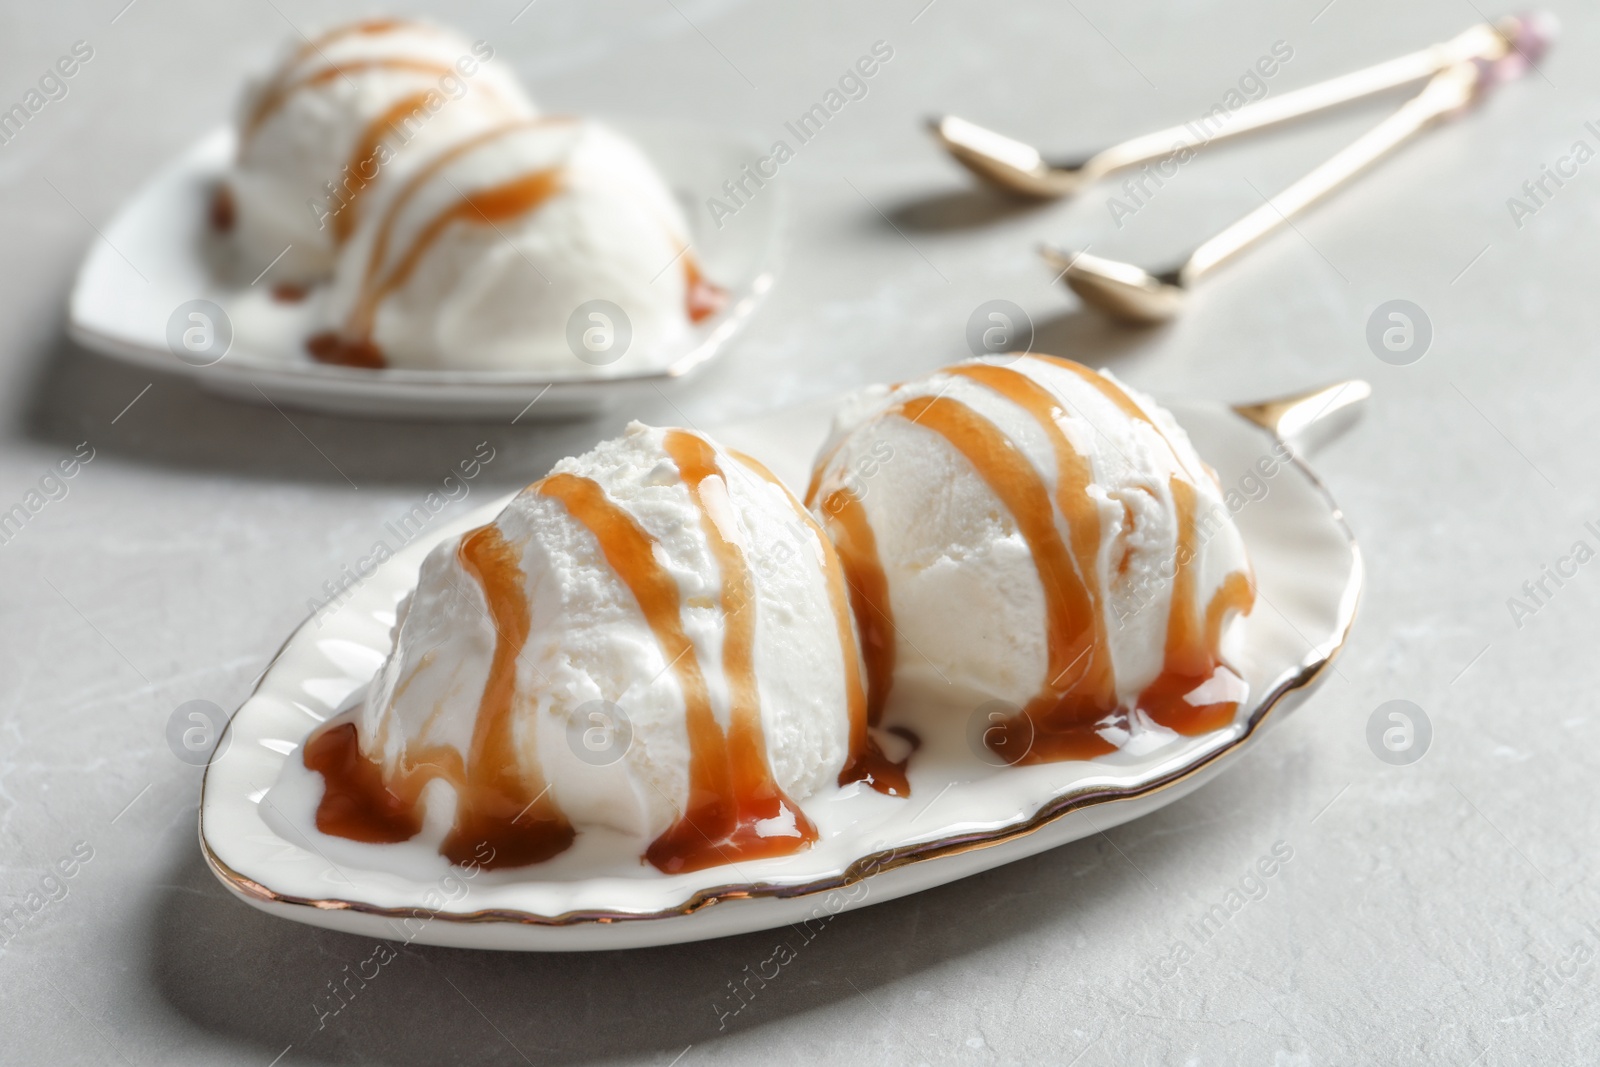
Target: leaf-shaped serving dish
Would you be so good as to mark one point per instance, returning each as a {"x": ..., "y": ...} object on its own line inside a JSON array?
[
  {"x": 159, "y": 253},
  {"x": 964, "y": 814}
]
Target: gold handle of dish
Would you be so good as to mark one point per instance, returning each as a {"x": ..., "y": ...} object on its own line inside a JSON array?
[{"x": 1290, "y": 417}]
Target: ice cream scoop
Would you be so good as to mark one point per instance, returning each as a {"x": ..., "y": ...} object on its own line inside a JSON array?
[
  {"x": 541, "y": 244},
  {"x": 340, "y": 116},
  {"x": 1028, "y": 532},
  {"x": 655, "y": 639}
]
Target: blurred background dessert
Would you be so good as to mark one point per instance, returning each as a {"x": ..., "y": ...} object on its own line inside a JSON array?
[
  {"x": 489, "y": 252},
  {"x": 342, "y": 114}
]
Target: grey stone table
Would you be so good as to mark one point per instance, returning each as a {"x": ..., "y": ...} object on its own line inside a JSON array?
[{"x": 1436, "y": 912}]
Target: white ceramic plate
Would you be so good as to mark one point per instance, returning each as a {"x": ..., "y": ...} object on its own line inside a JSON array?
[
  {"x": 164, "y": 235},
  {"x": 962, "y": 817}
]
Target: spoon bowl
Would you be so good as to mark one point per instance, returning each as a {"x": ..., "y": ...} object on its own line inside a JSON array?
[
  {"x": 1004, "y": 163},
  {"x": 1120, "y": 290}
]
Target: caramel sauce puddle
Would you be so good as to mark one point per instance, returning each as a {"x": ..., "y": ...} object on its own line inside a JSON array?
[{"x": 505, "y": 816}]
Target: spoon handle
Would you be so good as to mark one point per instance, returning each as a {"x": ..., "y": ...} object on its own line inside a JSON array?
[
  {"x": 1485, "y": 40},
  {"x": 1449, "y": 91}
]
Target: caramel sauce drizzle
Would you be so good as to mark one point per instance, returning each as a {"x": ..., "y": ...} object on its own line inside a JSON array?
[
  {"x": 817, "y": 471},
  {"x": 220, "y": 212},
  {"x": 495, "y": 204},
  {"x": 502, "y": 801},
  {"x": 857, "y": 547},
  {"x": 504, "y": 814},
  {"x": 365, "y": 155},
  {"x": 1125, "y": 403},
  {"x": 866, "y": 761},
  {"x": 353, "y": 345},
  {"x": 1192, "y": 656},
  {"x": 731, "y": 791},
  {"x": 282, "y": 86},
  {"x": 1192, "y": 653},
  {"x": 285, "y": 85},
  {"x": 279, "y": 93},
  {"x": 498, "y": 203},
  {"x": 359, "y": 28},
  {"x": 1081, "y": 686},
  {"x": 703, "y": 298},
  {"x": 1062, "y": 727}
]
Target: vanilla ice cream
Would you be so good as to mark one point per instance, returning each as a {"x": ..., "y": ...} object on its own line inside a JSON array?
[
  {"x": 549, "y": 244},
  {"x": 1035, "y": 534},
  {"x": 654, "y": 638},
  {"x": 339, "y": 117}
]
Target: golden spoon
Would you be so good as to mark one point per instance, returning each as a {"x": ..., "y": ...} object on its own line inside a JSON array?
[
  {"x": 1020, "y": 168},
  {"x": 1133, "y": 294}
]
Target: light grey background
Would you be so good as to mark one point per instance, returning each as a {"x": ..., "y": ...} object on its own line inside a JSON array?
[{"x": 1440, "y": 912}]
